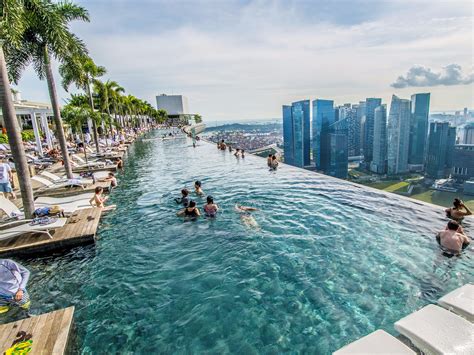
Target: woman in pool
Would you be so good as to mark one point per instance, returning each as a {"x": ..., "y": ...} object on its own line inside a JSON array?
[
  {"x": 99, "y": 200},
  {"x": 274, "y": 163},
  {"x": 197, "y": 188},
  {"x": 210, "y": 208},
  {"x": 191, "y": 211},
  {"x": 458, "y": 211}
]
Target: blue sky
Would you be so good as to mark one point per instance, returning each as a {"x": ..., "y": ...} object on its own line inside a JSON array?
[{"x": 244, "y": 59}]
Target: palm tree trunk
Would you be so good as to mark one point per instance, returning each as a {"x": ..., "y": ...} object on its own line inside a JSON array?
[
  {"x": 14, "y": 139},
  {"x": 57, "y": 114},
  {"x": 94, "y": 126}
]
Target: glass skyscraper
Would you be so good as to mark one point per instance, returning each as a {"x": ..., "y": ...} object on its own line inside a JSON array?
[
  {"x": 370, "y": 105},
  {"x": 398, "y": 131},
  {"x": 296, "y": 133},
  {"x": 323, "y": 118},
  {"x": 379, "y": 154},
  {"x": 420, "y": 110},
  {"x": 338, "y": 149},
  {"x": 441, "y": 141}
]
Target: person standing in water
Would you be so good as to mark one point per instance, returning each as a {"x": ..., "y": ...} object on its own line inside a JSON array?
[
  {"x": 453, "y": 237},
  {"x": 190, "y": 211},
  {"x": 269, "y": 161},
  {"x": 210, "y": 208},
  {"x": 197, "y": 188}
]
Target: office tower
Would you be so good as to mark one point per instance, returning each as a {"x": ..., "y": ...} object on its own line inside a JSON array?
[
  {"x": 323, "y": 118},
  {"x": 468, "y": 134},
  {"x": 338, "y": 150},
  {"x": 463, "y": 162},
  {"x": 379, "y": 154},
  {"x": 296, "y": 133},
  {"x": 398, "y": 132},
  {"x": 370, "y": 105},
  {"x": 441, "y": 141},
  {"x": 353, "y": 132},
  {"x": 420, "y": 110}
]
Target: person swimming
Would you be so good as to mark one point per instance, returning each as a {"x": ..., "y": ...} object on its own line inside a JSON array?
[
  {"x": 245, "y": 216},
  {"x": 183, "y": 200},
  {"x": 197, "y": 188},
  {"x": 458, "y": 211},
  {"x": 210, "y": 208},
  {"x": 269, "y": 161},
  {"x": 274, "y": 164},
  {"x": 237, "y": 152},
  {"x": 242, "y": 153},
  {"x": 190, "y": 211}
]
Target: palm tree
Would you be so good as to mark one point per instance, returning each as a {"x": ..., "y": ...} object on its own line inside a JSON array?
[
  {"x": 82, "y": 71},
  {"x": 47, "y": 34},
  {"x": 162, "y": 115},
  {"x": 11, "y": 28},
  {"x": 76, "y": 117}
]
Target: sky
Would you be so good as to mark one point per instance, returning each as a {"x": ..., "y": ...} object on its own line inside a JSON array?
[{"x": 245, "y": 59}]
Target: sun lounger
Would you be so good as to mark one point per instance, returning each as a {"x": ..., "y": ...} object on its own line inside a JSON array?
[
  {"x": 82, "y": 162},
  {"x": 378, "y": 342},
  {"x": 460, "y": 301},
  {"x": 435, "y": 330},
  {"x": 10, "y": 208},
  {"x": 27, "y": 228},
  {"x": 48, "y": 184}
]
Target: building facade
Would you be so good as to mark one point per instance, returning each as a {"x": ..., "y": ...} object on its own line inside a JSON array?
[
  {"x": 420, "y": 110},
  {"x": 296, "y": 133},
  {"x": 398, "y": 132},
  {"x": 468, "y": 134},
  {"x": 439, "y": 157},
  {"x": 463, "y": 162},
  {"x": 338, "y": 149},
  {"x": 323, "y": 117},
  {"x": 379, "y": 154},
  {"x": 370, "y": 105},
  {"x": 173, "y": 104}
]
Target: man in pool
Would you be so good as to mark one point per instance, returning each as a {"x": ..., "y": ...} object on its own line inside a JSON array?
[
  {"x": 245, "y": 216},
  {"x": 197, "y": 188},
  {"x": 191, "y": 211},
  {"x": 453, "y": 237},
  {"x": 13, "y": 280},
  {"x": 269, "y": 161},
  {"x": 183, "y": 200}
]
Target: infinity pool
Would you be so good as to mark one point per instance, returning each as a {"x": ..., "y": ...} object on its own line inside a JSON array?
[{"x": 330, "y": 262}]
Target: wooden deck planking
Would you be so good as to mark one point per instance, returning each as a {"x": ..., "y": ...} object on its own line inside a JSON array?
[
  {"x": 50, "y": 332},
  {"x": 80, "y": 229}
]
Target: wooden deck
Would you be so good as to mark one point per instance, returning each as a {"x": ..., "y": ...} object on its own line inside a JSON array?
[
  {"x": 80, "y": 229},
  {"x": 48, "y": 333}
]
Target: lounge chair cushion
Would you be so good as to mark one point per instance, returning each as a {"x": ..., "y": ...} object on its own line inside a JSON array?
[
  {"x": 460, "y": 301},
  {"x": 435, "y": 330},
  {"x": 378, "y": 342}
]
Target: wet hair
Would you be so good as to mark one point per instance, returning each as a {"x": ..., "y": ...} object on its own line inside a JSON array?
[
  {"x": 237, "y": 149},
  {"x": 99, "y": 189},
  {"x": 185, "y": 192},
  {"x": 243, "y": 150},
  {"x": 453, "y": 225},
  {"x": 197, "y": 183},
  {"x": 457, "y": 202},
  {"x": 222, "y": 141},
  {"x": 111, "y": 174},
  {"x": 192, "y": 203},
  {"x": 210, "y": 199},
  {"x": 269, "y": 155},
  {"x": 274, "y": 157}
]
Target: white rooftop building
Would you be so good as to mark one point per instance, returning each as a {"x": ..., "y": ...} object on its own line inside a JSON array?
[{"x": 173, "y": 104}]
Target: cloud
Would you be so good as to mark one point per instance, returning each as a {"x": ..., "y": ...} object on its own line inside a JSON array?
[{"x": 420, "y": 76}]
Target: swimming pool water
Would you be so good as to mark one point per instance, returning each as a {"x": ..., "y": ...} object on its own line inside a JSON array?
[{"x": 331, "y": 261}]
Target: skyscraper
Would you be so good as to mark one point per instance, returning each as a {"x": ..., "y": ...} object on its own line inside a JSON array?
[
  {"x": 420, "y": 110},
  {"x": 370, "y": 105},
  {"x": 296, "y": 133},
  {"x": 360, "y": 112},
  {"x": 323, "y": 118},
  {"x": 398, "y": 131},
  {"x": 379, "y": 154},
  {"x": 468, "y": 134},
  {"x": 338, "y": 149},
  {"x": 441, "y": 141}
]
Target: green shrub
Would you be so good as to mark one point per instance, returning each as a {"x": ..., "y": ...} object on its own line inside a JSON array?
[
  {"x": 28, "y": 135},
  {"x": 3, "y": 138}
]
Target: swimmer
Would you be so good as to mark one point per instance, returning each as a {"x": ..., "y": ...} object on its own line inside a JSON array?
[
  {"x": 197, "y": 188},
  {"x": 190, "y": 211},
  {"x": 459, "y": 211},
  {"x": 210, "y": 208},
  {"x": 274, "y": 163},
  {"x": 453, "y": 238},
  {"x": 269, "y": 161},
  {"x": 242, "y": 154},
  {"x": 223, "y": 146},
  {"x": 245, "y": 216},
  {"x": 183, "y": 200},
  {"x": 237, "y": 152},
  {"x": 230, "y": 149}
]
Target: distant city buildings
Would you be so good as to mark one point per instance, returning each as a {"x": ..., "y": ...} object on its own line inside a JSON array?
[
  {"x": 420, "y": 109},
  {"x": 468, "y": 134},
  {"x": 379, "y": 152},
  {"x": 439, "y": 159},
  {"x": 398, "y": 132},
  {"x": 370, "y": 105},
  {"x": 463, "y": 162},
  {"x": 323, "y": 117},
  {"x": 296, "y": 133}
]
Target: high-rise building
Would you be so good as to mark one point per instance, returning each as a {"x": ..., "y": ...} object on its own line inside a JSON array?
[
  {"x": 360, "y": 112},
  {"x": 398, "y": 132},
  {"x": 420, "y": 110},
  {"x": 296, "y": 133},
  {"x": 468, "y": 134},
  {"x": 379, "y": 154},
  {"x": 338, "y": 149},
  {"x": 370, "y": 105},
  {"x": 323, "y": 118},
  {"x": 463, "y": 162},
  {"x": 173, "y": 104},
  {"x": 441, "y": 141}
]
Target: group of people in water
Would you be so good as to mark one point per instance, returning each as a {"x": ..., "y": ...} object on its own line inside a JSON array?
[
  {"x": 272, "y": 160},
  {"x": 453, "y": 238}
]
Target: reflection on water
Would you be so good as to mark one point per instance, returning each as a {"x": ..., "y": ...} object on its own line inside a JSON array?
[{"x": 330, "y": 261}]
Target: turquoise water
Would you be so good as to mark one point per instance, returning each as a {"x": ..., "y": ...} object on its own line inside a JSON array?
[{"x": 329, "y": 263}]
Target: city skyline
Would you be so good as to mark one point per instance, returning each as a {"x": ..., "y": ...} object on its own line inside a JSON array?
[{"x": 214, "y": 53}]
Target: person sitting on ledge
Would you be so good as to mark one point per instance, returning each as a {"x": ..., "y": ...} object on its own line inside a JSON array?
[
  {"x": 458, "y": 211},
  {"x": 191, "y": 211},
  {"x": 13, "y": 280},
  {"x": 183, "y": 200},
  {"x": 99, "y": 200},
  {"x": 453, "y": 238},
  {"x": 111, "y": 177}
]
